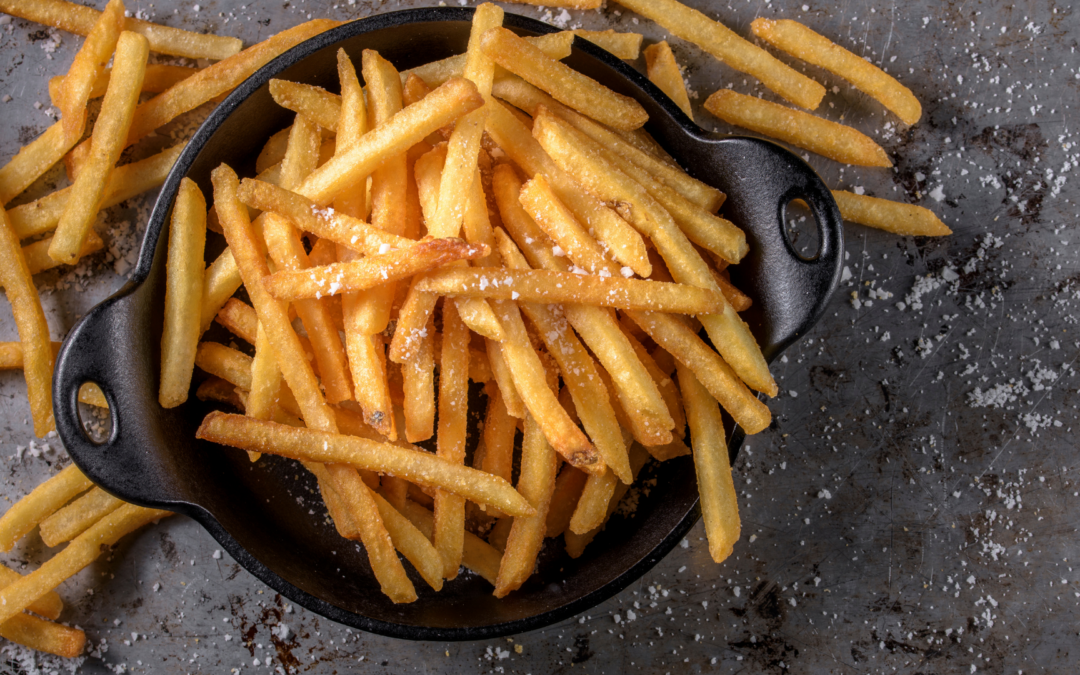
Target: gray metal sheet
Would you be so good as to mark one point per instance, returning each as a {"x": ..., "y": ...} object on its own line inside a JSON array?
[{"x": 913, "y": 509}]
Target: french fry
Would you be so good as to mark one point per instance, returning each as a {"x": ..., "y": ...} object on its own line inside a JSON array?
[
  {"x": 415, "y": 466},
  {"x": 273, "y": 151},
  {"x": 723, "y": 43},
  {"x": 314, "y": 103},
  {"x": 300, "y": 378},
  {"x": 719, "y": 506},
  {"x": 239, "y": 318},
  {"x": 579, "y": 372},
  {"x": 444, "y": 105},
  {"x": 159, "y": 77},
  {"x": 556, "y": 45},
  {"x": 564, "y": 499},
  {"x": 547, "y": 287},
  {"x": 453, "y": 422},
  {"x": 739, "y": 301},
  {"x": 82, "y": 551},
  {"x": 340, "y": 228},
  {"x": 74, "y": 519},
  {"x": 663, "y": 71},
  {"x": 803, "y": 130},
  {"x": 530, "y": 381},
  {"x": 37, "y": 354},
  {"x": 536, "y": 484},
  {"x": 419, "y": 386},
  {"x": 500, "y": 427},
  {"x": 40, "y": 216},
  {"x": 371, "y": 271},
  {"x": 42, "y": 502},
  {"x": 411, "y": 325},
  {"x": 576, "y": 543},
  {"x": 80, "y": 20},
  {"x": 717, "y": 376},
  {"x": 883, "y": 214},
  {"x": 626, "y": 46},
  {"x": 803, "y": 43},
  {"x": 183, "y": 294},
  {"x": 664, "y": 383},
  {"x": 37, "y": 254},
  {"x": 478, "y": 556},
  {"x": 591, "y": 509},
  {"x": 221, "y": 280},
  {"x": 49, "y": 605},
  {"x": 568, "y": 86},
  {"x": 520, "y": 93},
  {"x": 569, "y": 4},
  {"x": 107, "y": 142},
  {"x": 227, "y": 363},
  {"x": 500, "y": 371},
  {"x": 412, "y": 542},
  {"x": 217, "y": 389},
  {"x": 33, "y": 160},
  {"x": 88, "y": 65},
  {"x": 44, "y": 636},
  {"x": 625, "y": 243}
]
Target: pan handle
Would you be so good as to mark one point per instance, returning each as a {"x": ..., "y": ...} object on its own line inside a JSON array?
[
  {"x": 111, "y": 347},
  {"x": 760, "y": 179}
]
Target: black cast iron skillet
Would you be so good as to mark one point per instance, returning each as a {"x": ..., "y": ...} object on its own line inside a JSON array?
[{"x": 261, "y": 513}]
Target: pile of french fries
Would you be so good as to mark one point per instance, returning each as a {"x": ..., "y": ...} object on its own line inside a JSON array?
[{"x": 495, "y": 215}]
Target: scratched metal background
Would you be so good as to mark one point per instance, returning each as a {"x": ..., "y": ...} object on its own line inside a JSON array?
[{"x": 914, "y": 506}]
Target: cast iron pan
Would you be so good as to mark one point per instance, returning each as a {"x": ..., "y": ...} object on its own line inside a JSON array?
[{"x": 261, "y": 513}]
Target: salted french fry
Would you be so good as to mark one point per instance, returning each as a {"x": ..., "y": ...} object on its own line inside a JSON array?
[
  {"x": 88, "y": 65},
  {"x": 579, "y": 371},
  {"x": 576, "y": 543},
  {"x": 564, "y": 499},
  {"x": 33, "y": 160},
  {"x": 74, "y": 519},
  {"x": 227, "y": 363},
  {"x": 803, "y": 43},
  {"x": 520, "y": 93},
  {"x": 340, "y": 228},
  {"x": 478, "y": 556},
  {"x": 547, "y": 286},
  {"x": 717, "y": 376},
  {"x": 412, "y": 324},
  {"x": 803, "y": 130},
  {"x": 314, "y": 103},
  {"x": 884, "y": 214},
  {"x": 719, "y": 506},
  {"x": 159, "y": 77},
  {"x": 723, "y": 43},
  {"x": 183, "y": 294},
  {"x": 663, "y": 71},
  {"x": 591, "y": 509},
  {"x": 596, "y": 327},
  {"x": 44, "y": 636},
  {"x": 37, "y": 353},
  {"x": 626, "y": 46},
  {"x": 80, "y": 20},
  {"x": 82, "y": 551},
  {"x": 416, "y": 466},
  {"x": 37, "y": 254},
  {"x": 42, "y": 502},
  {"x": 625, "y": 243},
  {"x": 568, "y": 86},
  {"x": 536, "y": 484},
  {"x": 419, "y": 385},
  {"x": 371, "y": 271},
  {"x": 444, "y": 105},
  {"x": 221, "y": 280},
  {"x": 412, "y": 542},
  {"x": 500, "y": 371},
  {"x": 556, "y": 45},
  {"x": 530, "y": 381},
  {"x": 49, "y": 605},
  {"x": 107, "y": 142},
  {"x": 453, "y": 422},
  {"x": 40, "y": 216}
]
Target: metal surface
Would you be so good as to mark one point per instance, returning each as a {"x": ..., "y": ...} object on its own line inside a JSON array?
[{"x": 910, "y": 511}]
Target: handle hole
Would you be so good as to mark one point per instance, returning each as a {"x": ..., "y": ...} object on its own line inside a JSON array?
[
  {"x": 801, "y": 230},
  {"x": 94, "y": 415}
]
